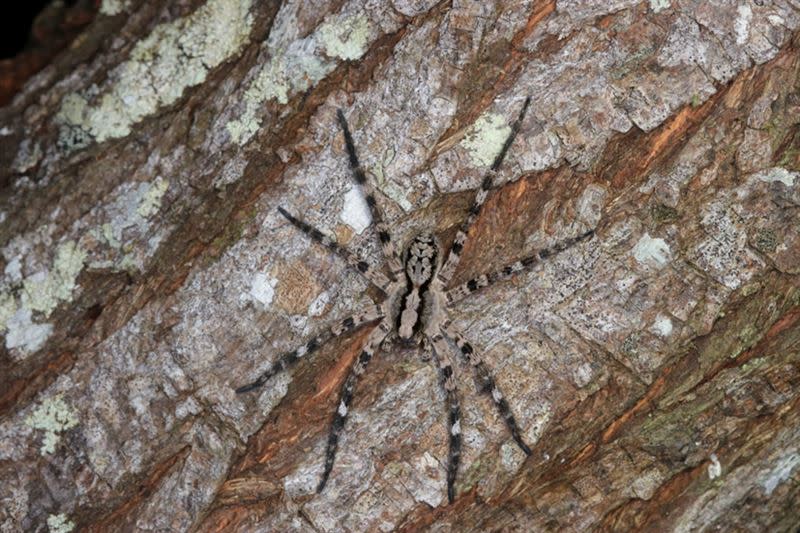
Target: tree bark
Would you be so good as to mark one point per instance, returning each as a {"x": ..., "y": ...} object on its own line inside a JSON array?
[{"x": 146, "y": 273}]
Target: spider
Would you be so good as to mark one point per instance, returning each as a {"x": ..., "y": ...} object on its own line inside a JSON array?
[{"x": 415, "y": 309}]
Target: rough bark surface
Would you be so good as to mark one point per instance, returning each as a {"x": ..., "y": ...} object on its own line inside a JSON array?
[{"x": 145, "y": 272}]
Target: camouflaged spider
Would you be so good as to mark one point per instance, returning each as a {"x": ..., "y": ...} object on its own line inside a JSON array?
[{"x": 415, "y": 308}]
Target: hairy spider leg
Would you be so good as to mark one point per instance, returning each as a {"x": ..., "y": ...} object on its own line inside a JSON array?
[
  {"x": 288, "y": 359},
  {"x": 346, "y": 396},
  {"x": 373, "y": 275},
  {"x": 465, "y": 289},
  {"x": 486, "y": 381},
  {"x": 389, "y": 251},
  {"x": 442, "y": 357},
  {"x": 449, "y": 266}
]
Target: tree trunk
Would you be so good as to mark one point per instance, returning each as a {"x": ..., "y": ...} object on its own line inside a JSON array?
[{"x": 146, "y": 272}]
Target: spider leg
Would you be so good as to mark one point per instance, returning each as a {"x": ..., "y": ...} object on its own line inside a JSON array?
[
  {"x": 465, "y": 289},
  {"x": 389, "y": 252},
  {"x": 441, "y": 355},
  {"x": 289, "y": 358},
  {"x": 487, "y": 382},
  {"x": 449, "y": 266},
  {"x": 373, "y": 275},
  {"x": 346, "y": 396}
]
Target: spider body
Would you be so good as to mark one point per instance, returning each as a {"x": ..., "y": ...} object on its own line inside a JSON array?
[
  {"x": 416, "y": 309},
  {"x": 419, "y": 303}
]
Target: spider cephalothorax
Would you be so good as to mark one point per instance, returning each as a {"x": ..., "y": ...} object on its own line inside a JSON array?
[
  {"x": 417, "y": 305},
  {"x": 421, "y": 262}
]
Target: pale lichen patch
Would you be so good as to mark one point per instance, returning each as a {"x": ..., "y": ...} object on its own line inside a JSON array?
[
  {"x": 485, "y": 138},
  {"x": 125, "y": 234},
  {"x": 176, "y": 55},
  {"x": 296, "y": 66},
  {"x": 43, "y": 291},
  {"x": 152, "y": 198},
  {"x": 355, "y": 212},
  {"x": 652, "y": 251},
  {"x": 113, "y": 7},
  {"x": 346, "y": 39},
  {"x": 59, "y": 523},
  {"x": 778, "y": 174},
  {"x": 53, "y": 416},
  {"x": 25, "y": 335}
]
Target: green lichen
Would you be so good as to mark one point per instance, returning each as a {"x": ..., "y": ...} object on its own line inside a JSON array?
[
  {"x": 630, "y": 346},
  {"x": 53, "y": 416},
  {"x": 44, "y": 291},
  {"x": 750, "y": 289},
  {"x": 152, "y": 198},
  {"x": 663, "y": 213},
  {"x": 176, "y": 55},
  {"x": 790, "y": 159},
  {"x": 345, "y": 39},
  {"x": 765, "y": 241},
  {"x": 753, "y": 364},
  {"x": 59, "y": 523},
  {"x": 485, "y": 139},
  {"x": 748, "y": 336}
]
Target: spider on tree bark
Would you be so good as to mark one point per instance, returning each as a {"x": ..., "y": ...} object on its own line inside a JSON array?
[{"x": 416, "y": 308}]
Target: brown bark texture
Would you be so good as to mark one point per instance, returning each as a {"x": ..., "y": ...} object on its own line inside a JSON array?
[{"x": 145, "y": 272}]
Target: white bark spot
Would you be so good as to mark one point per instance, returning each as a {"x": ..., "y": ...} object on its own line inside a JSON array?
[
  {"x": 742, "y": 24},
  {"x": 24, "y": 334},
  {"x": 662, "y": 326},
  {"x": 355, "y": 211},
  {"x": 262, "y": 290},
  {"x": 653, "y": 252},
  {"x": 318, "y": 305},
  {"x": 714, "y": 469},
  {"x": 659, "y": 5},
  {"x": 781, "y": 472}
]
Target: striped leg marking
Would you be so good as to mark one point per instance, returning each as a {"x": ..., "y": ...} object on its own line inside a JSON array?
[
  {"x": 389, "y": 252},
  {"x": 441, "y": 355},
  {"x": 487, "y": 382},
  {"x": 290, "y": 358},
  {"x": 465, "y": 289},
  {"x": 373, "y": 275},
  {"x": 346, "y": 396},
  {"x": 449, "y": 267}
]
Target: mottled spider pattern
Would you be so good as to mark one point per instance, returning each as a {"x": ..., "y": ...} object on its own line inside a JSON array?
[{"x": 416, "y": 307}]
